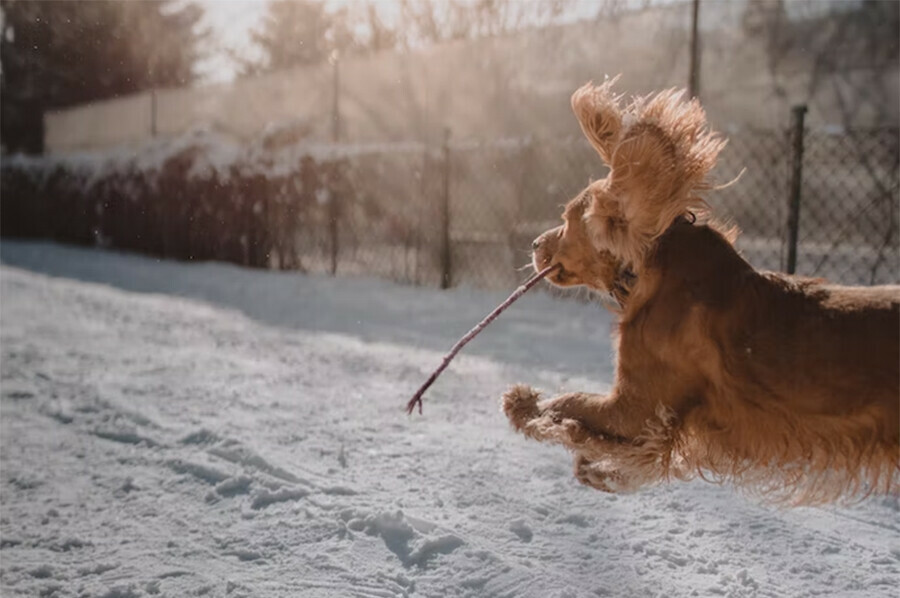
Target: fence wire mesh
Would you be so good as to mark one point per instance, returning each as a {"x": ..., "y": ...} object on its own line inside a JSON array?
[
  {"x": 460, "y": 213},
  {"x": 849, "y": 212},
  {"x": 503, "y": 194}
]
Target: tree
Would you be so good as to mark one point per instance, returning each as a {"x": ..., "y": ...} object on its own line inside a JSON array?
[
  {"x": 59, "y": 53},
  {"x": 435, "y": 21},
  {"x": 853, "y": 44},
  {"x": 303, "y": 32},
  {"x": 293, "y": 33}
]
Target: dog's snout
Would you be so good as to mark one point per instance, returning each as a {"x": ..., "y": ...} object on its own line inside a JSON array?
[{"x": 546, "y": 244}]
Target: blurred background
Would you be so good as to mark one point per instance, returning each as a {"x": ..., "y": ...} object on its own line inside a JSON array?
[{"x": 429, "y": 141}]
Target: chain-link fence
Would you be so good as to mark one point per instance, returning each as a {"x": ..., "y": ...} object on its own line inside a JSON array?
[
  {"x": 501, "y": 195},
  {"x": 846, "y": 192},
  {"x": 461, "y": 213}
]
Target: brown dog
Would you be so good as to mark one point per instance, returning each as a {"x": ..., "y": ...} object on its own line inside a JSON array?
[{"x": 788, "y": 386}]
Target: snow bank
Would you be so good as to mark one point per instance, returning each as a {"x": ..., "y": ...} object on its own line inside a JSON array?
[{"x": 207, "y": 430}]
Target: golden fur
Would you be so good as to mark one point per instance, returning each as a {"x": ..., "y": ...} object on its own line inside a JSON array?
[{"x": 787, "y": 386}]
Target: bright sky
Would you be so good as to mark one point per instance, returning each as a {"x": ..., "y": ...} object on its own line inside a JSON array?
[{"x": 230, "y": 21}]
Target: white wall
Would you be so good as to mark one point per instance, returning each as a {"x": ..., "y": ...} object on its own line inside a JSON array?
[{"x": 505, "y": 87}]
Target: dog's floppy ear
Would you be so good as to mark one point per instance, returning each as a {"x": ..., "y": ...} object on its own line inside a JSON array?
[
  {"x": 600, "y": 116},
  {"x": 661, "y": 162},
  {"x": 598, "y": 112},
  {"x": 659, "y": 149}
]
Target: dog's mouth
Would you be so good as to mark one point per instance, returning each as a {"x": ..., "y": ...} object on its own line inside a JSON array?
[{"x": 561, "y": 276}]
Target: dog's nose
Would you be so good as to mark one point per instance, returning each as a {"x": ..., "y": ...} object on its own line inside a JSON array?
[{"x": 536, "y": 243}]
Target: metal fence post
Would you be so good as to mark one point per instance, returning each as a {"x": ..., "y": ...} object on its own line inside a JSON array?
[
  {"x": 694, "y": 68},
  {"x": 154, "y": 110},
  {"x": 333, "y": 216},
  {"x": 333, "y": 212},
  {"x": 793, "y": 222},
  {"x": 523, "y": 183},
  {"x": 446, "y": 263},
  {"x": 421, "y": 211},
  {"x": 336, "y": 96}
]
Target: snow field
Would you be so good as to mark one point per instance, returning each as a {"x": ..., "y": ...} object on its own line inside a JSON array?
[{"x": 184, "y": 430}]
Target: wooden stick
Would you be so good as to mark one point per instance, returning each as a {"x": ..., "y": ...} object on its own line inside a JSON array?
[{"x": 417, "y": 398}]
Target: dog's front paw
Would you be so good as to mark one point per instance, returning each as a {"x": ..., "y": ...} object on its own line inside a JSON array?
[
  {"x": 539, "y": 420},
  {"x": 520, "y": 405},
  {"x": 583, "y": 408},
  {"x": 592, "y": 474}
]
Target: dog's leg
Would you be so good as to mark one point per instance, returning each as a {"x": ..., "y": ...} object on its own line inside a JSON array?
[
  {"x": 610, "y": 416},
  {"x": 617, "y": 447},
  {"x": 527, "y": 415}
]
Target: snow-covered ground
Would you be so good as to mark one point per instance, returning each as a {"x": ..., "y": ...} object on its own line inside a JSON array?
[{"x": 200, "y": 429}]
